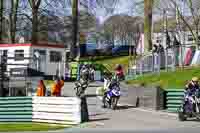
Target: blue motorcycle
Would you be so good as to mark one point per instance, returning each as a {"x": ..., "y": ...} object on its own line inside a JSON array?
[
  {"x": 111, "y": 97},
  {"x": 190, "y": 108}
]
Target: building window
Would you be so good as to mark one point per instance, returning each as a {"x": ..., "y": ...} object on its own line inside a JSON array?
[
  {"x": 42, "y": 52},
  {"x": 19, "y": 55},
  {"x": 55, "y": 56},
  {"x": 5, "y": 53}
]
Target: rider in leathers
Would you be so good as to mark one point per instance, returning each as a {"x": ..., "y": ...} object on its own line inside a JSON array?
[
  {"x": 192, "y": 88},
  {"x": 109, "y": 82},
  {"x": 84, "y": 73}
]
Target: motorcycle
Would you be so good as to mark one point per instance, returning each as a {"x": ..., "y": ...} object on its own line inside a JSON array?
[
  {"x": 120, "y": 75},
  {"x": 111, "y": 97},
  {"x": 80, "y": 88},
  {"x": 185, "y": 111}
]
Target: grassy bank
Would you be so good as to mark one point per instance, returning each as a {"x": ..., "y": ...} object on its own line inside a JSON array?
[
  {"x": 110, "y": 63},
  {"x": 168, "y": 80},
  {"x": 13, "y": 127}
]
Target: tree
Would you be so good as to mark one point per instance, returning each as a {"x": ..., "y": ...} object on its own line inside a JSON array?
[
  {"x": 125, "y": 28},
  {"x": 13, "y": 19},
  {"x": 148, "y": 7},
  {"x": 75, "y": 9},
  {"x": 75, "y": 29},
  {"x": 1, "y": 19},
  {"x": 191, "y": 24},
  {"x": 35, "y": 4}
]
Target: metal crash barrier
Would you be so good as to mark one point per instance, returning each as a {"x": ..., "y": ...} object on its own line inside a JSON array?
[
  {"x": 173, "y": 99},
  {"x": 56, "y": 110}
]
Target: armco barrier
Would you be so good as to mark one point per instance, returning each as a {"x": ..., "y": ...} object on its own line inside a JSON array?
[
  {"x": 58, "y": 110},
  {"x": 16, "y": 109},
  {"x": 62, "y": 110},
  {"x": 173, "y": 99}
]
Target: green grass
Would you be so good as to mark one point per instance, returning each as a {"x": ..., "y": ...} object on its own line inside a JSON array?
[
  {"x": 110, "y": 63},
  {"x": 13, "y": 127},
  {"x": 168, "y": 80}
]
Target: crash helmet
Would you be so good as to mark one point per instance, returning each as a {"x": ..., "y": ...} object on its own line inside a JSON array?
[{"x": 195, "y": 79}]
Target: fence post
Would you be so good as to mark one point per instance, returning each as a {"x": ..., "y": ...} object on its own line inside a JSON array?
[
  {"x": 166, "y": 62},
  {"x": 174, "y": 62},
  {"x": 159, "y": 63},
  {"x": 141, "y": 66},
  {"x": 153, "y": 62}
]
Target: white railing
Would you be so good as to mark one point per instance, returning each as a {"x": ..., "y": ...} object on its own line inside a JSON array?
[{"x": 153, "y": 63}]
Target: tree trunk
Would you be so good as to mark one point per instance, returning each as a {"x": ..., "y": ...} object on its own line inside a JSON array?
[
  {"x": 13, "y": 19},
  {"x": 34, "y": 38},
  {"x": 75, "y": 30},
  {"x": 147, "y": 24},
  {"x": 1, "y": 20}
]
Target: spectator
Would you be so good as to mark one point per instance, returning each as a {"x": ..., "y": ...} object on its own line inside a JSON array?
[
  {"x": 62, "y": 82},
  {"x": 41, "y": 89},
  {"x": 57, "y": 86}
]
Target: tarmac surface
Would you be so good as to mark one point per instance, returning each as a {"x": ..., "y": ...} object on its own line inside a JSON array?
[{"x": 127, "y": 117}]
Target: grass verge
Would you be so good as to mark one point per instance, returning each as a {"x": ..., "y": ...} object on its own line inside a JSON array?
[
  {"x": 13, "y": 127},
  {"x": 111, "y": 62},
  {"x": 168, "y": 80}
]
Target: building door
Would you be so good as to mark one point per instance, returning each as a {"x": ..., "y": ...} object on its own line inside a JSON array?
[{"x": 41, "y": 61}]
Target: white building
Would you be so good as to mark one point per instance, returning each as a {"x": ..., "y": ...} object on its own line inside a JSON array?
[{"x": 46, "y": 58}]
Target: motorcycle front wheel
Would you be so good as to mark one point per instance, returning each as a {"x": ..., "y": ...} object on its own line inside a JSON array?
[
  {"x": 104, "y": 102},
  {"x": 114, "y": 101},
  {"x": 181, "y": 114}
]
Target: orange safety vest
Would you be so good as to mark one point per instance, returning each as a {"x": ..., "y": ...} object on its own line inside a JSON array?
[
  {"x": 40, "y": 92},
  {"x": 62, "y": 82},
  {"x": 41, "y": 89},
  {"x": 56, "y": 88}
]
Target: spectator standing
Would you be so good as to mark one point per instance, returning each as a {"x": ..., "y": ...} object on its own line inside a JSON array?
[{"x": 41, "y": 89}]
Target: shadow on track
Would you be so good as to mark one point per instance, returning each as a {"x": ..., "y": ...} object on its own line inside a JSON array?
[
  {"x": 100, "y": 119},
  {"x": 122, "y": 107}
]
